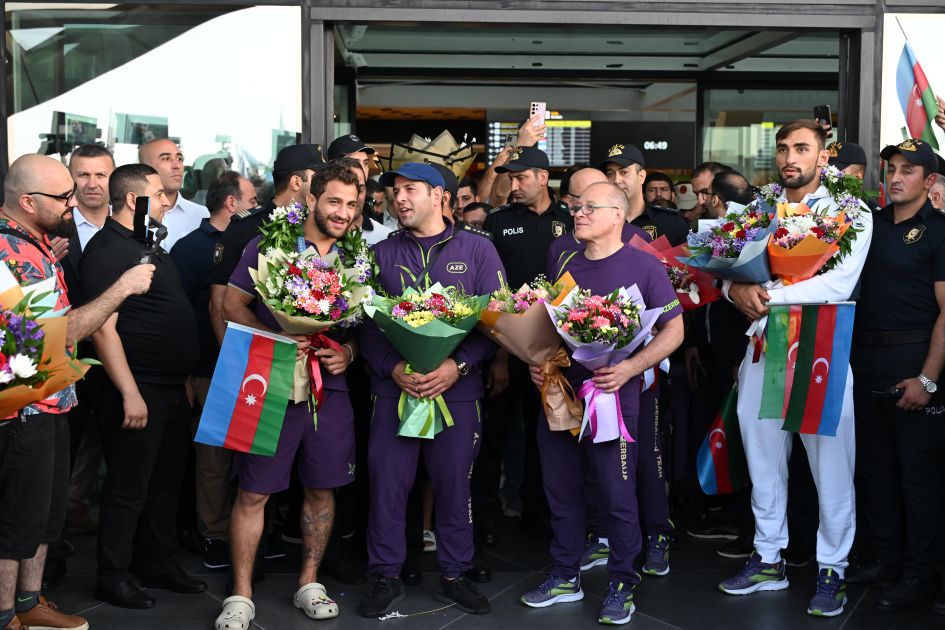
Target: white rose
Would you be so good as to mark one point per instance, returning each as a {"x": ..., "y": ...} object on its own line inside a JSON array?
[{"x": 22, "y": 366}]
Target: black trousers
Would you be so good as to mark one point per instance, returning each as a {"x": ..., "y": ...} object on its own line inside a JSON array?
[
  {"x": 899, "y": 480},
  {"x": 142, "y": 486}
]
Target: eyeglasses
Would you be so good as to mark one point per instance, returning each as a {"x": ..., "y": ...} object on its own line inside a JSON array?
[
  {"x": 66, "y": 197},
  {"x": 587, "y": 208},
  {"x": 704, "y": 191}
]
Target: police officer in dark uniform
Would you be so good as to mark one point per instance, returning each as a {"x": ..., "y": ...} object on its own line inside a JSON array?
[
  {"x": 897, "y": 359},
  {"x": 850, "y": 158},
  {"x": 624, "y": 166}
]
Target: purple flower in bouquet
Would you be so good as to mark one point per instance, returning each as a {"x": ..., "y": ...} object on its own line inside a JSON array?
[{"x": 294, "y": 215}]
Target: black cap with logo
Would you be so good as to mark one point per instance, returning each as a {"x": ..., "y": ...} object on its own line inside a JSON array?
[
  {"x": 346, "y": 145},
  {"x": 524, "y": 158},
  {"x": 624, "y": 155},
  {"x": 299, "y": 157},
  {"x": 915, "y": 151},
  {"x": 844, "y": 154}
]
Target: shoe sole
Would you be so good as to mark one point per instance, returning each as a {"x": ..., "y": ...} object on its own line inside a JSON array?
[
  {"x": 564, "y": 598},
  {"x": 712, "y": 536},
  {"x": 769, "y": 585},
  {"x": 895, "y": 609},
  {"x": 610, "y": 622},
  {"x": 656, "y": 573},
  {"x": 217, "y": 566},
  {"x": 381, "y": 613},
  {"x": 594, "y": 563},
  {"x": 291, "y": 540},
  {"x": 449, "y": 600},
  {"x": 832, "y": 613},
  {"x": 733, "y": 555}
]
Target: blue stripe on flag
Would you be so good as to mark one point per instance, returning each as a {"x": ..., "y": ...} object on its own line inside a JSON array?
[
  {"x": 839, "y": 369},
  {"x": 224, "y": 388},
  {"x": 905, "y": 77},
  {"x": 705, "y": 467}
]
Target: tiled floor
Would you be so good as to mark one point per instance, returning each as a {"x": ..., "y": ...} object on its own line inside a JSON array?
[{"x": 686, "y": 598}]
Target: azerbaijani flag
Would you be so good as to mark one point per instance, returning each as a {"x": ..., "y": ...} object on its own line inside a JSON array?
[
  {"x": 720, "y": 462},
  {"x": 249, "y": 392},
  {"x": 915, "y": 96},
  {"x": 806, "y": 365}
]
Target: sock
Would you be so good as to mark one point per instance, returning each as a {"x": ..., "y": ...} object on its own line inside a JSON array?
[
  {"x": 6, "y": 616},
  {"x": 26, "y": 600},
  {"x": 603, "y": 541}
]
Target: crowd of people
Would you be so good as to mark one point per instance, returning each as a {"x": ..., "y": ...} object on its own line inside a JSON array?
[{"x": 866, "y": 503}]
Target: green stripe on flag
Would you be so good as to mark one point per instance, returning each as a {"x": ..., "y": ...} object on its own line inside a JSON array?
[
  {"x": 737, "y": 464},
  {"x": 281, "y": 374},
  {"x": 772, "y": 389},
  {"x": 931, "y": 108},
  {"x": 805, "y": 361}
]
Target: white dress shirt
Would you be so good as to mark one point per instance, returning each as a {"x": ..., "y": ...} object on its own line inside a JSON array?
[
  {"x": 84, "y": 227},
  {"x": 182, "y": 219},
  {"x": 378, "y": 234}
]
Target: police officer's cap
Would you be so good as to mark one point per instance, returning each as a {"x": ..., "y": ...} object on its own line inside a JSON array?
[
  {"x": 844, "y": 154},
  {"x": 915, "y": 151},
  {"x": 450, "y": 183},
  {"x": 346, "y": 145},
  {"x": 524, "y": 158},
  {"x": 623, "y": 155},
  {"x": 415, "y": 171},
  {"x": 941, "y": 165},
  {"x": 685, "y": 196},
  {"x": 299, "y": 157}
]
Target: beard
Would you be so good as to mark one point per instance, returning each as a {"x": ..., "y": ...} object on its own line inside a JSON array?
[
  {"x": 325, "y": 226},
  {"x": 800, "y": 180},
  {"x": 59, "y": 225}
]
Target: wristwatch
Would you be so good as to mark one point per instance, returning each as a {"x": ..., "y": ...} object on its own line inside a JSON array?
[
  {"x": 463, "y": 368},
  {"x": 928, "y": 384}
]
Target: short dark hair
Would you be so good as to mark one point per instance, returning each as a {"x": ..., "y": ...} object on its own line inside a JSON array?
[
  {"x": 796, "y": 125},
  {"x": 226, "y": 185},
  {"x": 466, "y": 182},
  {"x": 732, "y": 186},
  {"x": 712, "y": 167},
  {"x": 334, "y": 171},
  {"x": 373, "y": 186},
  {"x": 280, "y": 180},
  {"x": 126, "y": 179},
  {"x": 477, "y": 205},
  {"x": 656, "y": 176},
  {"x": 91, "y": 151}
]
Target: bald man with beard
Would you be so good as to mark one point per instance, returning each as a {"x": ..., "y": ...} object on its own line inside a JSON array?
[{"x": 34, "y": 444}]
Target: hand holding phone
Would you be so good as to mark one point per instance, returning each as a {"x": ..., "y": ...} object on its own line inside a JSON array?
[{"x": 823, "y": 118}]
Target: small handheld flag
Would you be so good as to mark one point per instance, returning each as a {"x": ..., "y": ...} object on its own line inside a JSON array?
[{"x": 720, "y": 462}]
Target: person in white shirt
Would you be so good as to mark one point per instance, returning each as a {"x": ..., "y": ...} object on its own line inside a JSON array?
[
  {"x": 185, "y": 216},
  {"x": 90, "y": 166},
  {"x": 372, "y": 231}
]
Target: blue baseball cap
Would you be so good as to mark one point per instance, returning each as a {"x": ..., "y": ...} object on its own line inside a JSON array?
[{"x": 415, "y": 171}]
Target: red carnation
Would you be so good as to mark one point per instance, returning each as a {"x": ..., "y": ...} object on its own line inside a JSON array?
[
  {"x": 728, "y": 227},
  {"x": 780, "y": 232},
  {"x": 740, "y": 234},
  {"x": 295, "y": 271}
]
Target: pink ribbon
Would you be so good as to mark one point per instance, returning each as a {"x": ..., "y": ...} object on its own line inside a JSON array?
[{"x": 603, "y": 418}]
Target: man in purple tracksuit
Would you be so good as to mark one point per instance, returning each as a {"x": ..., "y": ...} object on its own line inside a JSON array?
[
  {"x": 604, "y": 264},
  {"x": 427, "y": 250}
]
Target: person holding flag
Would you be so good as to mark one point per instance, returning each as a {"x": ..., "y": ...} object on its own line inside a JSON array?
[
  {"x": 325, "y": 455},
  {"x": 801, "y": 157},
  {"x": 898, "y": 355}
]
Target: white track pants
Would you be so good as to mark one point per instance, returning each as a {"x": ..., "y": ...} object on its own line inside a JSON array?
[{"x": 767, "y": 449}]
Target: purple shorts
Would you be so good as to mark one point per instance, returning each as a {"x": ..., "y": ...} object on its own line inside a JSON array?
[{"x": 325, "y": 456}]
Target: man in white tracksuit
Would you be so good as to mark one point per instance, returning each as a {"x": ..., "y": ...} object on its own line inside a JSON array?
[{"x": 800, "y": 157}]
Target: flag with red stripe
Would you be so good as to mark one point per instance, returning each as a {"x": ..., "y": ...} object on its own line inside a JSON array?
[
  {"x": 249, "y": 392},
  {"x": 916, "y": 97},
  {"x": 720, "y": 461}
]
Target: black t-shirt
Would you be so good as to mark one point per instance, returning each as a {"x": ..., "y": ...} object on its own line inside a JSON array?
[
  {"x": 523, "y": 237},
  {"x": 158, "y": 330},
  {"x": 243, "y": 228},
  {"x": 658, "y": 221},
  {"x": 897, "y": 291}
]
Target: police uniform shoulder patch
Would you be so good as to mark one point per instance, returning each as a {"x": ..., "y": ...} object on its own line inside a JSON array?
[
  {"x": 217, "y": 253},
  {"x": 396, "y": 233},
  {"x": 475, "y": 230},
  {"x": 913, "y": 235},
  {"x": 498, "y": 209},
  {"x": 245, "y": 214},
  {"x": 665, "y": 209}
]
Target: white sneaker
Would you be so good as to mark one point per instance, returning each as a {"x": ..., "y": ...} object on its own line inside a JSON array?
[{"x": 429, "y": 541}]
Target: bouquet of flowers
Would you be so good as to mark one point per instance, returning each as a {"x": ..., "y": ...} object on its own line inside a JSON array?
[
  {"x": 601, "y": 332},
  {"x": 735, "y": 247},
  {"x": 518, "y": 322},
  {"x": 356, "y": 254},
  {"x": 34, "y": 360},
  {"x": 425, "y": 328},
  {"x": 804, "y": 241},
  {"x": 694, "y": 288}
]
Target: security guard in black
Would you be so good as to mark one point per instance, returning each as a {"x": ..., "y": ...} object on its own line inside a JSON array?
[{"x": 523, "y": 230}]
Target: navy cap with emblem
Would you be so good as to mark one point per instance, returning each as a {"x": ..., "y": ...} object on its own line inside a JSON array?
[
  {"x": 915, "y": 151},
  {"x": 623, "y": 155},
  {"x": 415, "y": 171},
  {"x": 844, "y": 154},
  {"x": 450, "y": 183},
  {"x": 299, "y": 157},
  {"x": 346, "y": 145},
  {"x": 524, "y": 158}
]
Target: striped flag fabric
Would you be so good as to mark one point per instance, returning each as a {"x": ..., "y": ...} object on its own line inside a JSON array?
[
  {"x": 806, "y": 366},
  {"x": 249, "y": 392},
  {"x": 720, "y": 461},
  {"x": 915, "y": 96}
]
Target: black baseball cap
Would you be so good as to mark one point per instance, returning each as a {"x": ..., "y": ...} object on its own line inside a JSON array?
[
  {"x": 450, "y": 183},
  {"x": 624, "y": 155},
  {"x": 915, "y": 151},
  {"x": 346, "y": 145},
  {"x": 844, "y": 154},
  {"x": 299, "y": 157},
  {"x": 415, "y": 171},
  {"x": 524, "y": 158},
  {"x": 941, "y": 164}
]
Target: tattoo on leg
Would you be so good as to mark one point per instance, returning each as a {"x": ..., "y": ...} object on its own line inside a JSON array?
[{"x": 317, "y": 520}]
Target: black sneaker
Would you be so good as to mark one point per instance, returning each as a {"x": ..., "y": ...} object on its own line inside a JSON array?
[
  {"x": 741, "y": 547},
  {"x": 274, "y": 549},
  {"x": 384, "y": 594},
  {"x": 714, "y": 532},
  {"x": 216, "y": 554},
  {"x": 462, "y": 592}
]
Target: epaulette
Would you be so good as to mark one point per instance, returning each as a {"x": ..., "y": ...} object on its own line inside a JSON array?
[
  {"x": 475, "y": 230},
  {"x": 664, "y": 209},
  {"x": 397, "y": 232},
  {"x": 245, "y": 214},
  {"x": 561, "y": 206},
  {"x": 500, "y": 208}
]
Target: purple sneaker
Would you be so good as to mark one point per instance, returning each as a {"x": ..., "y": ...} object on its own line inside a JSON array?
[{"x": 756, "y": 576}]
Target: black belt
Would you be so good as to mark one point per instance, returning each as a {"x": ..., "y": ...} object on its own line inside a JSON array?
[{"x": 890, "y": 337}]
